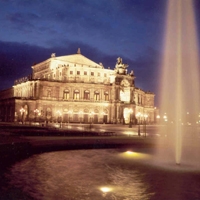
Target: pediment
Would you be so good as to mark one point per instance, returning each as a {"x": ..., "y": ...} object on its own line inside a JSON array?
[{"x": 78, "y": 59}]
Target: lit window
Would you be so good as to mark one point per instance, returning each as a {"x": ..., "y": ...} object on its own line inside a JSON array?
[
  {"x": 85, "y": 73},
  {"x": 76, "y": 94},
  {"x": 86, "y": 94},
  {"x": 92, "y": 73},
  {"x": 105, "y": 75},
  {"x": 78, "y": 72},
  {"x": 66, "y": 94},
  {"x": 99, "y": 74},
  {"x": 71, "y": 72},
  {"x": 106, "y": 96},
  {"x": 96, "y": 95}
]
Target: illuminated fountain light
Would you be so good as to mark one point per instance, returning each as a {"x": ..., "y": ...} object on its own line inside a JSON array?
[
  {"x": 135, "y": 156},
  {"x": 179, "y": 86},
  {"x": 106, "y": 189},
  {"x": 130, "y": 152}
]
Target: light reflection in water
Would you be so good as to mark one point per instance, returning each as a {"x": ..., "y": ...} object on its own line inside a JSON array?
[
  {"x": 101, "y": 174},
  {"x": 85, "y": 174}
]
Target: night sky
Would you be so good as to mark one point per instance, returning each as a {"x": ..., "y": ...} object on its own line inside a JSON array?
[{"x": 104, "y": 29}]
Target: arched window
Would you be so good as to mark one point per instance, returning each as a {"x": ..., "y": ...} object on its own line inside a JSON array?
[
  {"x": 86, "y": 95},
  {"x": 76, "y": 94},
  {"x": 48, "y": 93},
  {"x": 106, "y": 97},
  {"x": 96, "y": 96},
  {"x": 65, "y": 94}
]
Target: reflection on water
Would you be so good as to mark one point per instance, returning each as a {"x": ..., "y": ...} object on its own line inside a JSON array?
[{"x": 98, "y": 174}]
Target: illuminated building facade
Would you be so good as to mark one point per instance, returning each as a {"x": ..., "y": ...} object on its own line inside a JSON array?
[{"x": 74, "y": 88}]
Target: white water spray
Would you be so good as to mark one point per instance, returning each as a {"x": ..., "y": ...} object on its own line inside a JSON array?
[{"x": 180, "y": 71}]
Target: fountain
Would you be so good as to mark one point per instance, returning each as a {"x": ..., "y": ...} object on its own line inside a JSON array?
[{"x": 179, "y": 74}]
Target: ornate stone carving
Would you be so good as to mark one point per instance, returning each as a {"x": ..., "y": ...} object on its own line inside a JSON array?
[
  {"x": 125, "y": 83},
  {"x": 120, "y": 68}
]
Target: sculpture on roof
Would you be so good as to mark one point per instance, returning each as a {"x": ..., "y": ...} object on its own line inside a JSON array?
[
  {"x": 120, "y": 68},
  {"x": 53, "y": 55},
  {"x": 79, "y": 51}
]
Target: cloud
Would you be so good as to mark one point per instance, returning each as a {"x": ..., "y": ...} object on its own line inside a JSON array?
[
  {"x": 16, "y": 59},
  {"x": 94, "y": 21}
]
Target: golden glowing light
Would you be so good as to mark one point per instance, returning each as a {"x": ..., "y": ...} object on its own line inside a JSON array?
[
  {"x": 22, "y": 110},
  {"x": 130, "y": 133},
  {"x": 138, "y": 114},
  {"x": 145, "y": 116},
  {"x": 36, "y": 111},
  {"x": 129, "y": 152},
  {"x": 105, "y": 189},
  {"x": 81, "y": 112},
  {"x": 59, "y": 112},
  {"x": 134, "y": 155}
]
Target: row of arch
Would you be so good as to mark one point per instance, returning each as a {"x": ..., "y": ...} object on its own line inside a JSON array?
[{"x": 86, "y": 95}]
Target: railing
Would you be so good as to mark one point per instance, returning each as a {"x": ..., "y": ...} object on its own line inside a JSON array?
[
  {"x": 74, "y": 81},
  {"x": 75, "y": 100}
]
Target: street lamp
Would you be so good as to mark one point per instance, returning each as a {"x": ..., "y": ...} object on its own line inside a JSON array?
[
  {"x": 69, "y": 112},
  {"x": 130, "y": 117},
  {"x": 138, "y": 121},
  {"x": 36, "y": 111},
  {"x": 165, "y": 117},
  {"x": 59, "y": 117},
  {"x": 145, "y": 118},
  {"x": 158, "y": 118},
  {"x": 91, "y": 114},
  {"x": 80, "y": 116},
  {"x": 103, "y": 117},
  {"x": 22, "y": 111}
]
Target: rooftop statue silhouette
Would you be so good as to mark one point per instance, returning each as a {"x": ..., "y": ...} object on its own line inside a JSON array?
[{"x": 120, "y": 68}]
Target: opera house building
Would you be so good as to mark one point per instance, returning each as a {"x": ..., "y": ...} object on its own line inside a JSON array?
[{"x": 73, "y": 88}]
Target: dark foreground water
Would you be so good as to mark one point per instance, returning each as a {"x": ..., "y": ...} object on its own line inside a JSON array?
[{"x": 98, "y": 174}]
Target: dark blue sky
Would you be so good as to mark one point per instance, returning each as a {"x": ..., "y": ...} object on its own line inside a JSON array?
[{"x": 103, "y": 29}]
